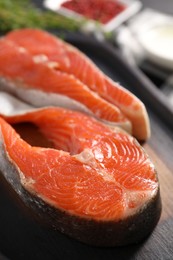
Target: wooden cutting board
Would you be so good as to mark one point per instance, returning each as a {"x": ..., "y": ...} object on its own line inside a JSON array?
[{"x": 22, "y": 237}]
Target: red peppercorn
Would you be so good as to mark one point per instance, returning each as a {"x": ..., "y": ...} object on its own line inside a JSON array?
[{"x": 99, "y": 10}]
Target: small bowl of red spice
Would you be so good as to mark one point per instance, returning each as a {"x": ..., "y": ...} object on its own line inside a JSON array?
[
  {"x": 102, "y": 11},
  {"x": 107, "y": 14}
]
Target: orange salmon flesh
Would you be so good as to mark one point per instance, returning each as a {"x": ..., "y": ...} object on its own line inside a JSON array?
[
  {"x": 75, "y": 69},
  {"x": 91, "y": 172}
]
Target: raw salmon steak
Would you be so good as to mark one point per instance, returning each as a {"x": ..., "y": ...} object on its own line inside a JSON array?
[
  {"x": 96, "y": 185},
  {"x": 70, "y": 60},
  {"x": 38, "y": 83}
]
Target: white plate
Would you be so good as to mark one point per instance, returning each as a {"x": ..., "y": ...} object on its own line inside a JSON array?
[{"x": 132, "y": 7}]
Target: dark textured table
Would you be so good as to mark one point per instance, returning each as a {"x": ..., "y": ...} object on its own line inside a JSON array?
[{"x": 160, "y": 5}]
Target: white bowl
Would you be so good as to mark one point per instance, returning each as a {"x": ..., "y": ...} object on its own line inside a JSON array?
[{"x": 157, "y": 43}]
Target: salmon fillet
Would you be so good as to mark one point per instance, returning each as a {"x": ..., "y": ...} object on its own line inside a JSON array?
[
  {"x": 27, "y": 73},
  {"x": 93, "y": 183},
  {"x": 72, "y": 61}
]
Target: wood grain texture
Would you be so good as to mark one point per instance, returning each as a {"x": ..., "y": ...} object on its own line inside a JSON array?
[
  {"x": 166, "y": 183},
  {"x": 160, "y": 150}
]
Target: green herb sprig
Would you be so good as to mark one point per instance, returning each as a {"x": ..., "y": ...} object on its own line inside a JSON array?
[{"x": 16, "y": 14}]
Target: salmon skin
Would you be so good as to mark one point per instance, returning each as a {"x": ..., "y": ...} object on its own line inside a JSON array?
[
  {"x": 37, "y": 83},
  {"x": 70, "y": 60},
  {"x": 96, "y": 185}
]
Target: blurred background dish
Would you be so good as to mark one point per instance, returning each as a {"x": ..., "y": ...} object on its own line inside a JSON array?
[
  {"x": 157, "y": 43},
  {"x": 105, "y": 14}
]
